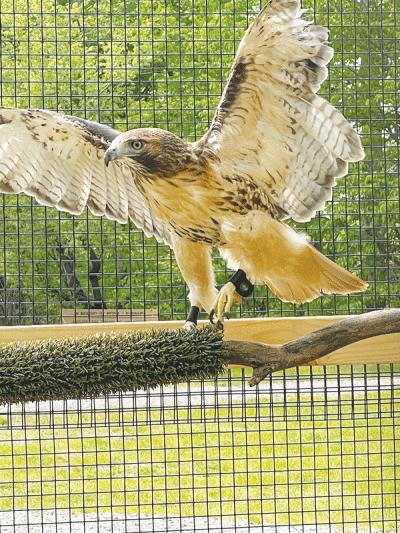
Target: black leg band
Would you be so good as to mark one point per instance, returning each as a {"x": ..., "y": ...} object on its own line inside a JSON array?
[
  {"x": 242, "y": 284},
  {"x": 193, "y": 314}
]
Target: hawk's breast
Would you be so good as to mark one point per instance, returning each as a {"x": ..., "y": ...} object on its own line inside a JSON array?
[{"x": 196, "y": 202}]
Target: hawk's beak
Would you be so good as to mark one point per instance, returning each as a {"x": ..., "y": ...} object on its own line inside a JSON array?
[{"x": 110, "y": 155}]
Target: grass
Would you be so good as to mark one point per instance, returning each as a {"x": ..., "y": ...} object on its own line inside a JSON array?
[{"x": 286, "y": 473}]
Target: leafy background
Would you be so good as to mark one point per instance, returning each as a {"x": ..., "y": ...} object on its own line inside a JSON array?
[{"x": 164, "y": 63}]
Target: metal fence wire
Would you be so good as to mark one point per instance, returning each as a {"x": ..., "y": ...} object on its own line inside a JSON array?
[
  {"x": 314, "y": 449},
  {"x": 131, "y": 64},
  {"x": 311, "y": 449}
]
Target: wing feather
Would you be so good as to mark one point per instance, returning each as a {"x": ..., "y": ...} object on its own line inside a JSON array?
[
  {"x": 293, "y": 143},
  {"x": 59, "y": 160}
]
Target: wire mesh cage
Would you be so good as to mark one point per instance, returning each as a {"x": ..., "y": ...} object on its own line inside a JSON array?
[
  {"x": 165, "y": 64},
  {"x": 311, "y": 449}
]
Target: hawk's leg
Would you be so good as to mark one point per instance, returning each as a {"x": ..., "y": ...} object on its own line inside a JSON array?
[
  {"x": 191, "y": 319},
  {"x": 194, "y": 260},
  {"x": 232, "y": 292}
]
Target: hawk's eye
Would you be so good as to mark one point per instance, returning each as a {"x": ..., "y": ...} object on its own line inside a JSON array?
[{"x": 137, "y": 145}]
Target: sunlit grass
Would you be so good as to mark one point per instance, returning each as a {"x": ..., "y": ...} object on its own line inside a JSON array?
[{"x": 289, "y": 472}]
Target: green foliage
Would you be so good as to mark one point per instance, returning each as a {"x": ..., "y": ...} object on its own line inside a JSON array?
[
  {"x": 102, "y": 364},
  {"x": 165, "y": 64}
]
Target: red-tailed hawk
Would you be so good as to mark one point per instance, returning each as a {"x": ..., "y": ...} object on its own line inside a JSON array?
[{"x": 273, "y": 151}]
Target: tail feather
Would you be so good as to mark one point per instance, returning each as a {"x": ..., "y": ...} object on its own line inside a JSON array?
[
  {"x": 320, "y": 276},
  {"x": 273, "y": 253},
  {"x": 337, "y": 279}
]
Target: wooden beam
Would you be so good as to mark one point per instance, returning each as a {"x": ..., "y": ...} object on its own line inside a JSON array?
[{"x": 382, "y": 349}]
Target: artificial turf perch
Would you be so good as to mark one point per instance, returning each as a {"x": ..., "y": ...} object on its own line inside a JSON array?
[
  {"x": 107, "y": 363},
  {"x": 84, "y": 367}
]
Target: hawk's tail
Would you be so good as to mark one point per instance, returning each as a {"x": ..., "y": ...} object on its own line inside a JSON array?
[
  {"x": 312, "y": 275},
  {"x": 273, "y": 253}
]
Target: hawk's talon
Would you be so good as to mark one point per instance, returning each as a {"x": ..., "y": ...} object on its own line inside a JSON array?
[
  {"x": 189, "y": 326},
  {"x": 219, "y": 325},
  {"x": 211, "y": 316},
  {"x": 227, "y": 296}
]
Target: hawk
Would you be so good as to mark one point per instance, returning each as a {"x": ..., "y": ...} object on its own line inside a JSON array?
[{"x": 273, "y": 151}]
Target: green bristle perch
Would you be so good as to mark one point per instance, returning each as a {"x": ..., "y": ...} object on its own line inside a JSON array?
[{"x": 75, "y": 368}]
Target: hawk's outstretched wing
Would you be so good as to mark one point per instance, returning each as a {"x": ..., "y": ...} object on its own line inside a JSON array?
[
  {"x": 59, "y": 160},
  {"x": 270, "y": 125}
]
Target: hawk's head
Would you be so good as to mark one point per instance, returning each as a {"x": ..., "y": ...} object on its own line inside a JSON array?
[{"x": 156, "y": 151}]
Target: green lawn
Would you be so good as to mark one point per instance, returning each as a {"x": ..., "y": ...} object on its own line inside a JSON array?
[{"x": 341, "y": 472}]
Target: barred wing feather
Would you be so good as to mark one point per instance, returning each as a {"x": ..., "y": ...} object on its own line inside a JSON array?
[
  {"x": 270, "y": 125},
  {"x": 59, "y": 161}
]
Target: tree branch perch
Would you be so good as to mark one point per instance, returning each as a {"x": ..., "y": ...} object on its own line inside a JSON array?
[
  {"x": 268, "y": 358},
  {"x": 104, "y": 363}
]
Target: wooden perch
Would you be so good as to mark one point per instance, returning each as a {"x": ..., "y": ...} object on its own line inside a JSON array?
[{"x": 268, "y": 358}]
